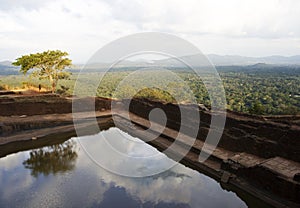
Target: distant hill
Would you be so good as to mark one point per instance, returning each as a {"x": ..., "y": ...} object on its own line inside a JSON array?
[
  {"x": 217, "y": 60},
  {"x": 7, "y": 69},
  {"x": 262, "y": 68},
  {"x": 227, "y": 60},
  {"x": 243, "y": 60},
  {"x": 6, "y": 63}
]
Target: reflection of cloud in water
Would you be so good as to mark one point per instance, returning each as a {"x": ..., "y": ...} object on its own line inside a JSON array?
[
  {"x": 11, "y": 178},
  {"x": 88, "y": 185},
  {"x": 123, "y": 156},
  {"x": 80, "y": 188},
  {"x": 70, "y": 190},
  {"x": 177, "y": 185},
  {"x": 12, "y": 161},
  {"x": 15, "y": 183}
]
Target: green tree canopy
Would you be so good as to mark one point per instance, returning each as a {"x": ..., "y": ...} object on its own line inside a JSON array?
[
  {"x": 257, "y": 108},
  {"x": 47, "y": 65}
]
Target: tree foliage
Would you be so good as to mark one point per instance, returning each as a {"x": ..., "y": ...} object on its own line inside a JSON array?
[
  {"x": 46, "y": 65},
  {"x": 155, "y": 94}
]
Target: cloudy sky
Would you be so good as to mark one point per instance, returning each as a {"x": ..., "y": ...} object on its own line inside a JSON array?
[{"x": 81, "y": 27}]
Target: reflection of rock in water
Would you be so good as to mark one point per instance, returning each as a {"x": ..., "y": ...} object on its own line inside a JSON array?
[
  {"x": 169, "y": 173},
  {"x": 52, "y": 159}
]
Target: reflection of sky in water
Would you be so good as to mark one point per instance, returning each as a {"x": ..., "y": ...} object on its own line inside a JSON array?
[
  {"x": 120, "y": 153},
  {"x": 89, "y": 185}
]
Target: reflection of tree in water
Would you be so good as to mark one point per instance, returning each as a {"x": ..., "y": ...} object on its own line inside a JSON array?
[{"x": 52, "y": 159}]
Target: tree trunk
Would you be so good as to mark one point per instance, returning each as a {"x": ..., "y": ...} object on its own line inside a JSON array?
[
  {"x": 55, "y": 84},
  {"x": 52, "y": 83}
]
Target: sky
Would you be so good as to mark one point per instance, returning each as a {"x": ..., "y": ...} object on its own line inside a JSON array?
[{"x": 81, "y": 27}]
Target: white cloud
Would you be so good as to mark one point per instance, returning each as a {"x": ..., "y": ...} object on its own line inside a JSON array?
[
  {"x": 81, "y": 27},
  {"x": 16, "y": 4}
]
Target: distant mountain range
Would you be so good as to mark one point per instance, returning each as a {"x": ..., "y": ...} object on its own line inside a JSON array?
[
  {"x": 243, "y": 60},
  {"x": 7, "y": 69},
  {"x": 228, "y": 60},
  {"x": 217, "y": 60},
  {"x": 6, "y": 63}
]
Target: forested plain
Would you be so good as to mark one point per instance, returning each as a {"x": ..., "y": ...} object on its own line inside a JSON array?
[{"x": 256, "y": 89}]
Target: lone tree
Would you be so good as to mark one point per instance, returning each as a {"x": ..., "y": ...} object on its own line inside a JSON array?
[{"x": 46, "y": 65}]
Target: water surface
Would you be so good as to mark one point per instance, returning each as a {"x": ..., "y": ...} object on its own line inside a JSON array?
[{"x": 63, "y": 175}]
